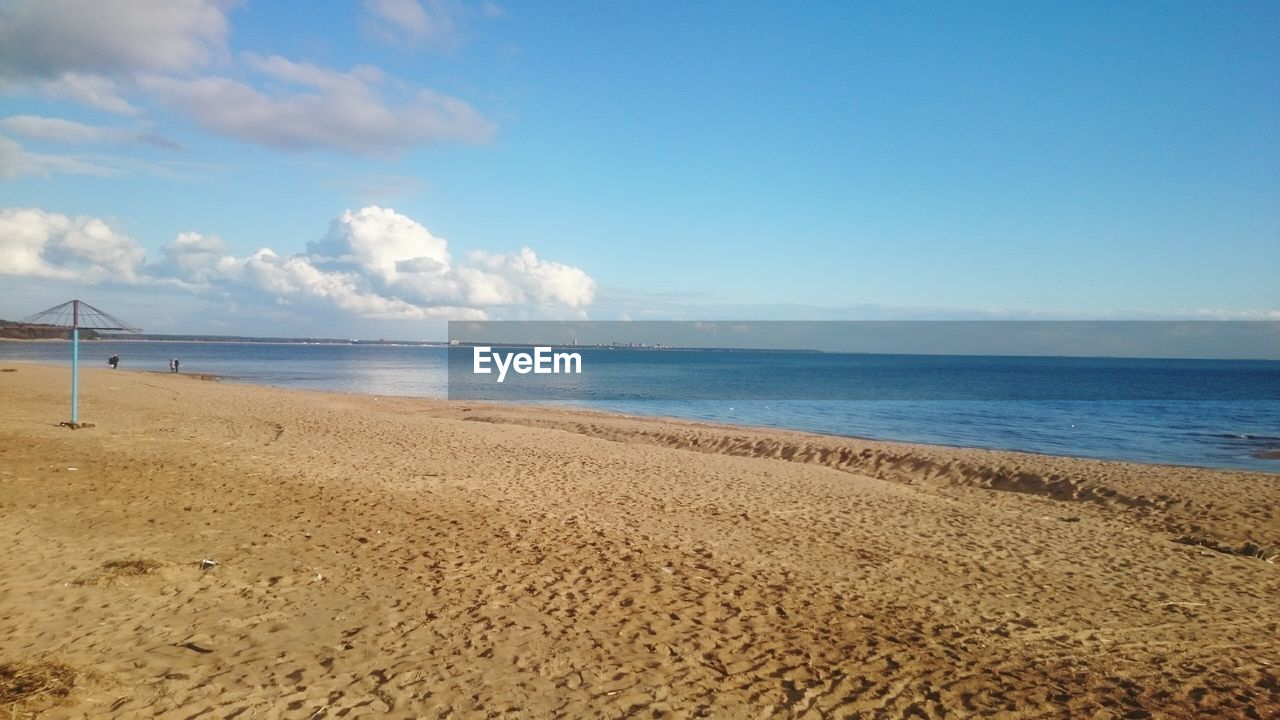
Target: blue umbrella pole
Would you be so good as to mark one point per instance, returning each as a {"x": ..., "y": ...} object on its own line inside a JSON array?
[{"x": 75, "y": 375}]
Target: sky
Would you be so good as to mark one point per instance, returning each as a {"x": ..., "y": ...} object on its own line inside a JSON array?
[{"x": 373, "y": 169}]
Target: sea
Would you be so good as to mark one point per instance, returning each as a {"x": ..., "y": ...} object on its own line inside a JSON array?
[{"x": 1226, "y": 413}]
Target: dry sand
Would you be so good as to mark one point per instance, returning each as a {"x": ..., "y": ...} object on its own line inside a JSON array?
[{"x": 427, "y": 559}]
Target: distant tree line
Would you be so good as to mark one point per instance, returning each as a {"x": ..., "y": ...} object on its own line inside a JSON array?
[{"x": 19, "y": 331}]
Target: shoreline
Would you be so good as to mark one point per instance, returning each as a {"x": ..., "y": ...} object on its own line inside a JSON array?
[
  {"x": 1058, "y": 477},
  {"x": 361, "y": 343},
  {"x": 444, "y": 345},
  {"x": 709, "y": 424},
  {"x": 421, "y": 557}
]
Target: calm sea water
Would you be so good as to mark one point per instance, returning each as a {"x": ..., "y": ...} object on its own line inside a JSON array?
[{"x": 1207, "y": 432}]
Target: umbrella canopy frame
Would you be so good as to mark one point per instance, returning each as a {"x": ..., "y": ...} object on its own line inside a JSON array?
[{"x": 77, "y": 314}]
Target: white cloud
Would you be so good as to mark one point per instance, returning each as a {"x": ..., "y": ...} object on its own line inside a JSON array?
[
  {"x": 401, "y": 257},
  {"x": 359, "y": 79},
  {"x": 523, "y": 278},
  {"x": 1249, "y": 314},
  {"x": 382, "y": 243},
  {"x": 111, "y": 54},
  {"x": 296, "y": 278},
  {"x": 193, "y": 256},
  {"x": 60, "y": 130},
  {"x": 50, "y": 245},
  {"x": 94, "y": 91},
  {"x": 411, "y": 22},
  {"x": 16, "y": 161},
  {"x": 358, "y": 111},
  {"x": 47, "y": 38},
  {"x": 373, "y": 262}
]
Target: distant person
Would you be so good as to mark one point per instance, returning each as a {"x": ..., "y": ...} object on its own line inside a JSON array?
[
  {"x": 176, "y": 363},
  {"x": 113, "y": 361},
  {"x": 172, "y": 367}
]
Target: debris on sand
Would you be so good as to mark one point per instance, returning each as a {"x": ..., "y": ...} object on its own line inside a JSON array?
[
  {"x": 1248, "y": 549},
  {"x": 112, "y": 571},
  {"x": 130, "y": 567},
  {"x": 24, "y": 682}
]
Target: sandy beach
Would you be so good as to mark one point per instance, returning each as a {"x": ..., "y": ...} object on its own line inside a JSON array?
[{"x": 416, "y": 558}]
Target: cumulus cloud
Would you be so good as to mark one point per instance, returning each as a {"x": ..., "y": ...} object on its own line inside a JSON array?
[
  {"x": 372, "y": 262},
  {"x": 193, "y": 256},
  {"x": 382, "y": 243},
  {"x": 516, "y": 278},
  {"x": 50, "y": 245},
  {"x": 289, "y": 278},
  {"x": 401, "y": 258}
]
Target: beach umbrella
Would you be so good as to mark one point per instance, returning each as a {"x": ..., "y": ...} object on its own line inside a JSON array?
[{"x": 76, "y": 314}]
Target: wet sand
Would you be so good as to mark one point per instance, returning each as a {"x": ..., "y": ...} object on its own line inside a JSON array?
[{"x": 420, "y": 558}]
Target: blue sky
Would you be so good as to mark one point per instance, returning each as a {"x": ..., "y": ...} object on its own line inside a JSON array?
[{"x": 659, "y": 160}]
